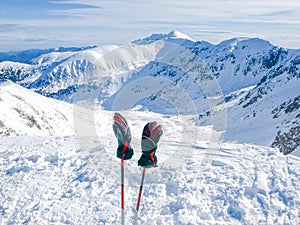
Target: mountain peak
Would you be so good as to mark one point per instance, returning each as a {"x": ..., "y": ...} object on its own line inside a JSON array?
[
  {"x": 174, "y": 35},
  {"x": 255, "y": 44},
  {"x": 177, "y": 34}
]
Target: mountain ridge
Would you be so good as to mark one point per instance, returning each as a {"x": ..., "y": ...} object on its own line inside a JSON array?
[{"x": 236, "y": 64}]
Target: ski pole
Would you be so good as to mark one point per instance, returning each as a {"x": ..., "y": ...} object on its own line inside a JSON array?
[
  {"x": 122, "y": 184},
  {"x": 139, "y": 197},
  {"x": 122, "y": 191},
  {"x": 124, "y": 151}
]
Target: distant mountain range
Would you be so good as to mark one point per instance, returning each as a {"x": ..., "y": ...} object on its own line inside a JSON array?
[{"x": 259, "y": 81}]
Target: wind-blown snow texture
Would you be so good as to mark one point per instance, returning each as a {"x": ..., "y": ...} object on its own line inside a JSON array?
[
  {"x": 57, "y": 159},
  {"x": 47, "y": 180}
]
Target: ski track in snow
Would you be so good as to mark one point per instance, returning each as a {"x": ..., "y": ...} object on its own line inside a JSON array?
[{"x": 48, "y": 180}]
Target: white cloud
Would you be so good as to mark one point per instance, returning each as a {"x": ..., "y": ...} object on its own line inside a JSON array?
[{"x": 116, "y": 21}]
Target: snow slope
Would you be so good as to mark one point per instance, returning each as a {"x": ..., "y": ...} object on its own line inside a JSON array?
[
  {"x": 51, "y": 180},
  {"x": 24, "y": 112}
]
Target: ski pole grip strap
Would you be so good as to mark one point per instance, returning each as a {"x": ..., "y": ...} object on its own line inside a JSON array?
[
  {"x": 125, "y": 146},
  {"x": 148, "y": 152}
]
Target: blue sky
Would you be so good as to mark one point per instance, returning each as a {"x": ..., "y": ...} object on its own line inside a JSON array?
[{"x": 26, "y": 24}]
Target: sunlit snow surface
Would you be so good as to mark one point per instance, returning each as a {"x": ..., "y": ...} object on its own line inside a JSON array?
[{"x": 48, "y": 180}]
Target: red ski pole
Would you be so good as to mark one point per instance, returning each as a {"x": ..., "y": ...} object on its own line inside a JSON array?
[
  {"x": 139, "y": 197},
  {"x": 124, "y": 151},
  {"x": 122, "y": 184}
]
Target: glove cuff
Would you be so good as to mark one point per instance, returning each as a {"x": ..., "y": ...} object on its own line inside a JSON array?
[
  {"x": 147, "y": 160},
  {"x": 128, "y": 152}
]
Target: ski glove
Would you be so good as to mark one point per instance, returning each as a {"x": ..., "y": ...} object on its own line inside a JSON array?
[
  {"x": 151, "y": 135},
  {"x": 122, "y": 133}
]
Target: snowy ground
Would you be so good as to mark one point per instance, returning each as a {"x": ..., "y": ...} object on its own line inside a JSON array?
[
  {"x": 73, "y": 176},
  {"x": 52, "y": 180}
]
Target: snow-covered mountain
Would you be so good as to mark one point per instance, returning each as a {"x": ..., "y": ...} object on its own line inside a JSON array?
[
  {"x": 57, "y": 147},
  {"x": 24, "y": 112},
  {"x": 173, "y": 36},
  {"x": 27, "y": 55},
  {"x": 259, "y": 81}
]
